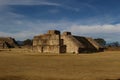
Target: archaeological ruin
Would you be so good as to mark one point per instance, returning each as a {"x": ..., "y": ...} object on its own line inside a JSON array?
[
  {"x": 55, "y": 42},
  {"x": 7, "y": 42}
]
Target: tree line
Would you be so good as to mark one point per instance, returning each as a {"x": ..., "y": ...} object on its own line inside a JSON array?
[{"x": 102, "y": 42}]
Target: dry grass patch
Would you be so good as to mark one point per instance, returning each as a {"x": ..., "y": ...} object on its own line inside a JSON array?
[
  {"x": 12, "y": 78},
  {"x": 35, "y": 66}
]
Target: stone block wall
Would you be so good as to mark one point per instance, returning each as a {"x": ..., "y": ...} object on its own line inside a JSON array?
[
  {"x": 50, "y": 42},
  {"x": 54, "y": 42},
  {"x": 8, "y": 42},
  {"x": 72, "y": 45}
]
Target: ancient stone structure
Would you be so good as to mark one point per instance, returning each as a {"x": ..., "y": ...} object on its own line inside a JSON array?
[
  {"x": 50, "y": 42},
  {"x": 7, "y": 42},
  {"x": 78, "y": 44},
  {"x": 54, "y": 42},
  {"x": 72, "y": 44}
]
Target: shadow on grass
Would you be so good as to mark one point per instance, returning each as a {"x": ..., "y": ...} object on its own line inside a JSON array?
[
  {"x": 112, "y": 79},
  {"x": 12, "y": 78},
  {"x": 29, "y": 78}
]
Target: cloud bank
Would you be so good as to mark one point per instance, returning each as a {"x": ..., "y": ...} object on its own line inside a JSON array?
[
  {"x": 95, "y": 29},
  {"x": 20, "y": 26},
  {"x": 109, "y": 32},
  {"x": 27, "y": 2}
]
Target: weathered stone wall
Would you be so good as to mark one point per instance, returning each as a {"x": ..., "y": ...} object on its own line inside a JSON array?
[
  {"x": 88, "y": 46},
  {"x": 66, "y": 33},
  {"x": 96, "y": 45},
  {"x": 1, "y": 45},
  {"x": 72, "y": 44},
  {"x": 49, "y": 43},
  {"x": 78, "y": 44},
  {"x": 54, "y": 42},
  {"x": 8, "y": 42}
]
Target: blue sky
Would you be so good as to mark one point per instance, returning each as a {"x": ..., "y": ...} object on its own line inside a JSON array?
[{"x": 23, "y": 19}]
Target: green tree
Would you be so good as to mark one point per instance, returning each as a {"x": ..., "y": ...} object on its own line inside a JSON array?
[
  {"x": 116, "y": 44},
  {"x": 28, "y": 42},
  {"x": 101, "y": 41}
]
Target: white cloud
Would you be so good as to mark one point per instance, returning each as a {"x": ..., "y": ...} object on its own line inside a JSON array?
[
  {"x": 16, "y": 25},
  {"x": 19, "y": 36},
  {"x": 86, "y": 29},
  {"x": 107, "y": 31},
  {"x": 28, "y": 2},
  {"x": 37, "y": 2},
  {"x": 28, "y": 29}
]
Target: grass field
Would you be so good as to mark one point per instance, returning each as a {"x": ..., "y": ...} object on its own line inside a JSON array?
[{"x": 26, "y": 65}]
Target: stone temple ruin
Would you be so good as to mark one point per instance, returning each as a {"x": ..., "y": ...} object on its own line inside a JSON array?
[
  {"x": 7, "y": 42},
  {"x": 49, "y": 43},
  {"x": 55, "y": 42}
]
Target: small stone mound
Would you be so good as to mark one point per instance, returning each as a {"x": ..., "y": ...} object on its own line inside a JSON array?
[{"x": 7, "y": 42}]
